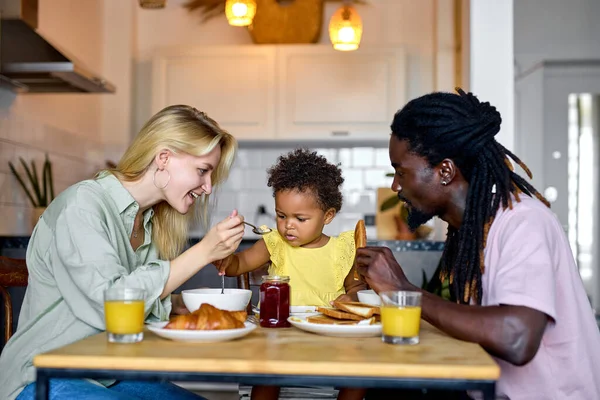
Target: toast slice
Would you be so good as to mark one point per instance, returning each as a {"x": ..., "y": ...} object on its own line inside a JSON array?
[
  {"x": 339, "y": 314},
  {"x": 360, "y": 309},
  {"x": 324, "y": 319},
  {"x": 360, "y": 240}
]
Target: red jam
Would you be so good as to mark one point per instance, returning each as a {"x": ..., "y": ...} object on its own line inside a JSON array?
[{"x": 275, "y": 302}]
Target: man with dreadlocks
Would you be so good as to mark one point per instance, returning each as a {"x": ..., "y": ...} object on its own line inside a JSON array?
[{"x": 515, "y": 284}]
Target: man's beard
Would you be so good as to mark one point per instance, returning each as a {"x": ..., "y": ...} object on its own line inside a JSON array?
[{"x": 416, "y": 217}]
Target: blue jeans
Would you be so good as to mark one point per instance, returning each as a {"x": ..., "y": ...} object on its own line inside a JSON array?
[{"x": 68, "y": 389}]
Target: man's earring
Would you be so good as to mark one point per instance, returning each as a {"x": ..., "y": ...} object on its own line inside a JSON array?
[{"x": 444, "y": 183}]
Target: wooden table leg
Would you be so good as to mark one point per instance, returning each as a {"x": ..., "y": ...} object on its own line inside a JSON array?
[
  {"x": 489, "y": 393},
  {"x": 42, "y": 386}
]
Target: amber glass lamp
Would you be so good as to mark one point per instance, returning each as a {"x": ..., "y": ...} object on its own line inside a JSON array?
[
  {"x": 240, "y": 12},
  {"x": 345, "y": 28}
]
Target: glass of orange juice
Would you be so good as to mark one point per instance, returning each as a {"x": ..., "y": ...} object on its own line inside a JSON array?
[
  {"x": 124, "y": 314},
  {"x": 400, "y": 317}
]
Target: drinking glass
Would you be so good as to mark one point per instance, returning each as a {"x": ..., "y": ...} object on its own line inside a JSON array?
[
  {"x": 124, "y": 314},
  {"x": 400, "y": 317}
]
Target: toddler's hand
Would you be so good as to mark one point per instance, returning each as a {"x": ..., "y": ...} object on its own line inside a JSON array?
[{"x": 223, "y": 264}]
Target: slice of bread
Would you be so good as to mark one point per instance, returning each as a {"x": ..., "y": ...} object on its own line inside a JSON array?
[
  {"x": 354, "y": 307},
  {"x": 324, "y": 319},
  {"x": 338, "y": 314},
  {"x": 360, "y": 240}
]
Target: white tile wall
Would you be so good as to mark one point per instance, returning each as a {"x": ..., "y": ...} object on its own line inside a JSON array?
[
  {"x": 73, "y": 158},
  {"x": 362, "y": 168}
]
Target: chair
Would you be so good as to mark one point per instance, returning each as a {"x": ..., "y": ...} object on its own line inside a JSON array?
[
  {"x": 252, "y": 279},
  {"x": 13, "y": 273}
]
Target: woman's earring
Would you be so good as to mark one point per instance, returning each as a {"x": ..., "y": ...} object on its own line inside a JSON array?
[
  {"x": 154, "y": 179},
  {"x": 444, "y": 183}
]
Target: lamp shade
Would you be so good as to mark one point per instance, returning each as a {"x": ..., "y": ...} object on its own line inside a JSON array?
[
  {"x": 345, "y": 29},
  {"x": 240, "y": 12}
]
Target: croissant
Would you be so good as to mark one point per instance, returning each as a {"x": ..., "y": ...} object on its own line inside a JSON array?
[
  {"x": 208, "y": 318},
  {"x": 360, "y": 240}
]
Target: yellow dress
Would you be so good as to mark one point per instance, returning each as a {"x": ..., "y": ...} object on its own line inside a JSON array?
[{"x": 316, "y": 274}]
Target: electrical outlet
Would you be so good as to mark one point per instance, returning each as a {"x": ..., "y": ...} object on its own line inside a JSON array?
[{"x": 369, "y": 219}]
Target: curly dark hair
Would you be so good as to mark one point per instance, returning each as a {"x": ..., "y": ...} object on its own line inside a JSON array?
[{"x": 305, "y": 170}]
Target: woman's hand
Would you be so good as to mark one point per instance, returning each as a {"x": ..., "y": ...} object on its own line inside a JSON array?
[
  {"x": 224, "y": 238},
  {"x": 177, "y": 305},
  {"x": 219, "y": 242}
]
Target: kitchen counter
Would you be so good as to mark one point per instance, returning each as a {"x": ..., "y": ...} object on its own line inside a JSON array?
[
  {"x": 12, "y": 244},
  {"x": 416, "y": 257}
]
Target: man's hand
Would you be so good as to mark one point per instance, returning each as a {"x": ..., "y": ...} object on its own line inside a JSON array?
[
  {"x": 381, "y": 270},
  {"x": 344, "y": 298},
  {"x": 177, "y": 305}
]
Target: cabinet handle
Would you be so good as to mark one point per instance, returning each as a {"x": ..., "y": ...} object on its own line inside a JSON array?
[{"x": 340, "y": 133}]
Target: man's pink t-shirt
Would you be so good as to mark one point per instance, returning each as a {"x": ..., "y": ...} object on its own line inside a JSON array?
[{"x": 529, "y": 263}]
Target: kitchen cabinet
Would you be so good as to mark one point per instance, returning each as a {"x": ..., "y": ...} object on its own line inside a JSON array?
[
  {"x": 329, "y": 94},
  {"x": 234, "y": 85},
  {"x": 292, "y": 92}
]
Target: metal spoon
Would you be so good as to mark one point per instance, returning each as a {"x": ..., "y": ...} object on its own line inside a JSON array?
[
  {"x": 258, "y": 231},
  {"x": 222, "y": 284}
]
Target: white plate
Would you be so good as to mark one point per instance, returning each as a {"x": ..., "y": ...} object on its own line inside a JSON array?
[
  {"x": 184, "y": 335},
  {"x": 336, "y": 330},
  {"x": 302, "y": 309},
  {"x": 295, "y": 311}
]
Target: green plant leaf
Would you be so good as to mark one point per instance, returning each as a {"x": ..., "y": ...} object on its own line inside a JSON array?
[
  {"x": 50, "y": 180},
  {"x": 403, "y": 213},
  {"x": 389, "y": 203},
  {"x": 445, "y": 294},
  {"x": 36, "y": 183},
  {"x": 45, "y": 183},
  {"x": 22, "y": 183},
  {"x": 35, "y": 189}
]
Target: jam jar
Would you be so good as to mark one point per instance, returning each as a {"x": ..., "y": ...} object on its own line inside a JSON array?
[{"x": 275, "y": 301}]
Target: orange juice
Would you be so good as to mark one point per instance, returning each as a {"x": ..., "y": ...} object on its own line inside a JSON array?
[
  {"x": 124, "y": 317},
  {"x": 401, "y": 321}
]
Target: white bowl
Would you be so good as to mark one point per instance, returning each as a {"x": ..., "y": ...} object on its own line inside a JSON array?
[
  {"x": 231, "y": 300},
  {"x": 369, "y": 297}
]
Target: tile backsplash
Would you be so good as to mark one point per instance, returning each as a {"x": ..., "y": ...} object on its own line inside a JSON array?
[
  {"x": 363, "y": 168},
  {"x": 74, "y": 157}
]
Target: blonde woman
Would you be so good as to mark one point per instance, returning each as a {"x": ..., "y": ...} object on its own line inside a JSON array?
[{"x": 126, "y": 227}]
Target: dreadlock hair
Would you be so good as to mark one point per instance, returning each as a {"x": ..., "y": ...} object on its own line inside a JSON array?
[
  {"x": 441, "y": 126},
  {"x": 304, "y": 170}
]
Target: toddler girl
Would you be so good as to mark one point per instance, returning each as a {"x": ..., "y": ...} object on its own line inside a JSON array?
[{"x": 307, "y": 195}]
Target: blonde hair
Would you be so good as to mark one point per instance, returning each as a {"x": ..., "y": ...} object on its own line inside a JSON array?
[{"x": 180, "y": 129}]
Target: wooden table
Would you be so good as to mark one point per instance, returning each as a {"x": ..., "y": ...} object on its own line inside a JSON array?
[{"x": 285, "y": 357}]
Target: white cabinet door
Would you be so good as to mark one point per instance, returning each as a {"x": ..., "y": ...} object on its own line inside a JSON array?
[
  {"x": 328, "y": 94},
  {"x": 233, "y": 85}
]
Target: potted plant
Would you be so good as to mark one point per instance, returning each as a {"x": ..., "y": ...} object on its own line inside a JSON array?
[{"x": 39, "y": 189}]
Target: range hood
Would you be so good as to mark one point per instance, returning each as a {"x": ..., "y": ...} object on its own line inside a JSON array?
[{"x": 30, "y": 64}]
